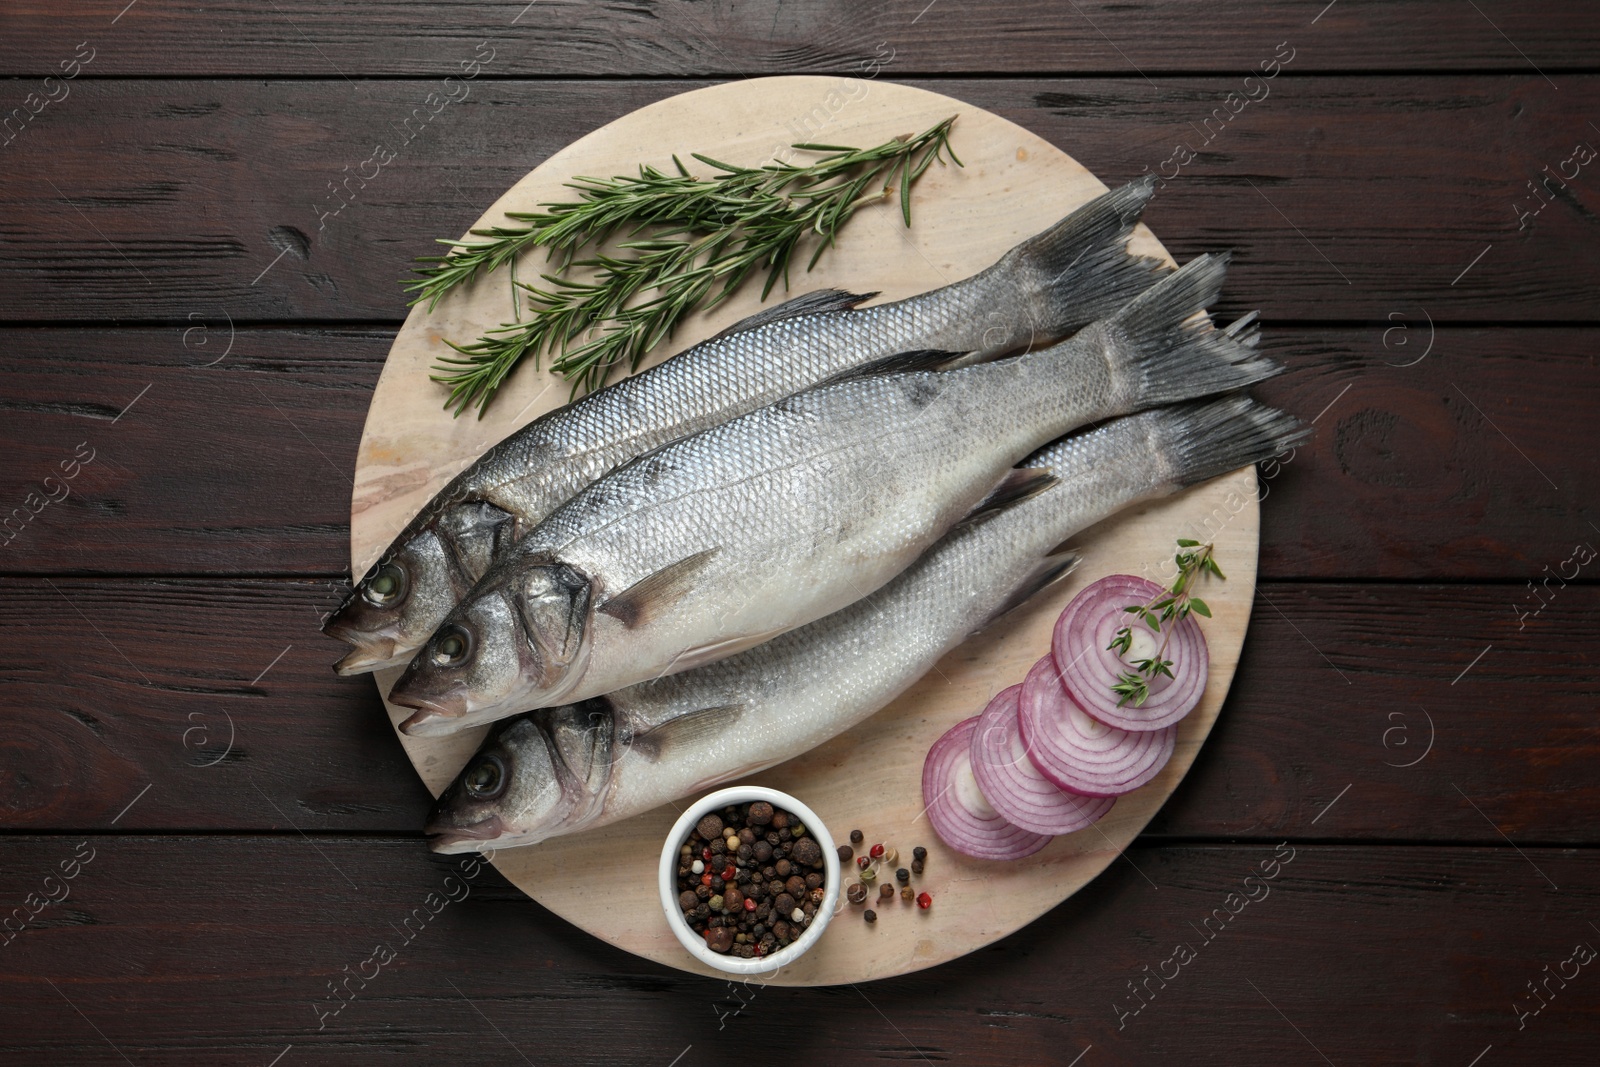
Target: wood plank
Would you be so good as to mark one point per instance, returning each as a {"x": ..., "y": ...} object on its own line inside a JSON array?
[
  {"x": 152, "y": 943},
  {"x": 676, "y": 37},
  {"x": 101, "y": 704},
  {"x": 215, "y": 450},
  {"x": 1346, "y": 198},
  {"x": 243, "y": 466}
]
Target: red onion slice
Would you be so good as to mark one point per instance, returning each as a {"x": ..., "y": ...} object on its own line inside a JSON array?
[
  {"x": 1014, "y": 785},
  {"x": 1076, "y": 751},
  {"x": 1089, "y": 669},
  {"x": 961, "y": 815}
]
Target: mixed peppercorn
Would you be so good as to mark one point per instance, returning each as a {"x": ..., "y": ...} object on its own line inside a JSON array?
[
  {"x": 867, "y": 866},
  {"x": 750, "y": 879}
]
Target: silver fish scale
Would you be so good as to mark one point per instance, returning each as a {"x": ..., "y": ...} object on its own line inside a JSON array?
[
  {"x": 714, "y": 381},
  {"x": 806, "y": 686},
  {"x": 862, "y": 473}
]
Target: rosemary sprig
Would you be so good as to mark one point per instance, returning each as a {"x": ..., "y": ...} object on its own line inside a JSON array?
[
  {"x": 688, "y": 241},
  {"x": 1161, "y": 613}
]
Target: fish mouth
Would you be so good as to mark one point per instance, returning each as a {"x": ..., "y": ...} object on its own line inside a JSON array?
[
  {"x": 365, "y": 660},
  {"x": 432, "y": 718},
  {"x": 457, "y": 839}
]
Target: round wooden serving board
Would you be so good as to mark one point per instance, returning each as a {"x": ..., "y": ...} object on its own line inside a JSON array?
[{"x": 1013, "y": 185}]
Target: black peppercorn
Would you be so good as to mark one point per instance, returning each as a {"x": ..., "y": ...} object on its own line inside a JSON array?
[
  {"x": 870, "y": 915},
  {"x": 856, "y": 837},
  {"x": 916, "y": 866},
  {"x": 919, "y": 853},
  {"x": 902, "y": 876}
]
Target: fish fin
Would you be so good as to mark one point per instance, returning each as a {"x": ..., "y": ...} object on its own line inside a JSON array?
[
  {"x": 700, "y": 655},
  {"x": 1045, "y": 573},
  {"x": 823, "y": 300},
  {"x": 691, "y": 729},
  {"x": 1019, "y": 484},
  {"x": 1165, "y": 349},
  {"x": 899, "y": 363},
  {"x": 650, "y": 596},
  {"x": 1080, "y": 268},
  {"x": 1204, "y": 439},
  {"x": 1245, "y": 329}
]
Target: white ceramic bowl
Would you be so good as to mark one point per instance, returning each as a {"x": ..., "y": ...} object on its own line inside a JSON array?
[{"x": 693, "y": 942}]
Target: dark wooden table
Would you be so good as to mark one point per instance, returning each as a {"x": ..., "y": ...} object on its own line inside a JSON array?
[{"x": 206, "y": 832}]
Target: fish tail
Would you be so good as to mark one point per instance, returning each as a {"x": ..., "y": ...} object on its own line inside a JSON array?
[
  {"x": 1080, "y": 269},
  {"x": 1207, "y": 438},
  {"x": 1165, "y": 348}
]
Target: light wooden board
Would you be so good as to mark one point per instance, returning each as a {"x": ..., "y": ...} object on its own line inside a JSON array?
[{"x": 1013, "y": 185}]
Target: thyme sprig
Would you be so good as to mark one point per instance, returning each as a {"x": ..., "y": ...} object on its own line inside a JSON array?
[
  {"x": 1162, "y": 613},
  {"x": 686, "y": 242}
]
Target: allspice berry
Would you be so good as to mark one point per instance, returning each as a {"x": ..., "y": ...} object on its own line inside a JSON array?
[
  {"x": 856, "y": 893},
  {"x": 846, "y": 853},
  {"x": 710, "y": 826},
  {"x": 806, "y": 852},
  {"x": 760, "y": 813},
  {"x": 885, "y": 891},
  {"x": 687, "y": 900},
  {"x": 719, "y": 939}
]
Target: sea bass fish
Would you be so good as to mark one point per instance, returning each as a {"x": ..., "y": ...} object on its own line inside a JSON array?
[
  {"x": 559, "y": 770},
  {"x": 1077, "y": 271},
  {"x": 719, "y": 541}
]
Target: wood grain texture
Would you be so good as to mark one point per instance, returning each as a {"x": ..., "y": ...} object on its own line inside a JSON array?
[
  {"x": 1345, "y": 198},
  {"x": 88, "y": 729},
  {"x": 243, "y": 466},
  {"x": 157, "y": 933},
  {"x": 676, "y": 37}
]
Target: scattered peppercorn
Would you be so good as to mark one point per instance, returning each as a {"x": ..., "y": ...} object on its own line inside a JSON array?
[
  {"x": 877, "y": 851},
  {"x": 869, "y": 875},
  {"x": 919, "y": 853},
  {"x": 885, "y": 891},
  {"x": 907, "y": 894},
  {"x": 891, "y": 856},
  {"x": 924, "y": 901},
  {"x": 916, "y": 866},
  {"x": 856, "y": 893},
  {"x": 870, "y": 915},
  {"x": 863, "y": 862},
  {"x": 856, "y": 837},
  {"x": 846, "y": 853}
]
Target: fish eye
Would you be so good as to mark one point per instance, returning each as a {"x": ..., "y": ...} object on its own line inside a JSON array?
[
  {"x": 485, "y": 779},
  {"x": 452, "y": 646},
  {"x": 386, "y": 587}
]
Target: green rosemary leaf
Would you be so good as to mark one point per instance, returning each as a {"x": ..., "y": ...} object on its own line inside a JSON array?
[{"x": 688, "y": 242}]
